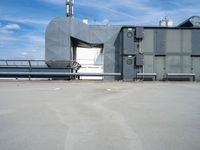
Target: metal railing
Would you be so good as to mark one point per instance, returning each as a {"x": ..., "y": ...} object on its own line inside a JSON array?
[
  {"x": 22, "y": 63},
  {"x": 36, "y": 63},
  {"x": 39, "y": 69}
]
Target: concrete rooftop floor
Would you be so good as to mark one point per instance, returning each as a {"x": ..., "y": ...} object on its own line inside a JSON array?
[{"x": 85, "y": 115}]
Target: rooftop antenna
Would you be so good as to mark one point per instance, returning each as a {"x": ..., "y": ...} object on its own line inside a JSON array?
[{"x": 69, "y": 8}]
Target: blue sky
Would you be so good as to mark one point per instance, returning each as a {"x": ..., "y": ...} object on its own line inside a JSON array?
[{"x": 23, "y": 22}]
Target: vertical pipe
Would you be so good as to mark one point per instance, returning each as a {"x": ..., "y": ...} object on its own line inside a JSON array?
[{"x": 69, "y": 8}]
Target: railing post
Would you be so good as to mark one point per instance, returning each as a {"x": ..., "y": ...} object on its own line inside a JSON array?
[
  {"x": 30, "y": 69},
  {"x": 6, "y": 62}
]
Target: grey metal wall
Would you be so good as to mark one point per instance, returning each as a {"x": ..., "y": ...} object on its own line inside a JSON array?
[
  {"x": 59, "y": 44},
  {"x": 165, "y": 50},
  {"x": 171, "y": 51}
]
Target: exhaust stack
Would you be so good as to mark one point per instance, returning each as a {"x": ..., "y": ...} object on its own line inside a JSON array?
[{"x": 69, "y": 8}]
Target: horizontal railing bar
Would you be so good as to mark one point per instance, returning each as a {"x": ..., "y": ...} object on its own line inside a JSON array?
[{"x": 58, "y": 74}]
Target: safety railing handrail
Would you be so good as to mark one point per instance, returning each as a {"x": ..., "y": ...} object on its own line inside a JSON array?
[{"x": 33, "y": 63}]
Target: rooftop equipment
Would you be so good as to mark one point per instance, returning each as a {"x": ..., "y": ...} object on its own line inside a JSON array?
[
  {"x": 69, "y": 8},
  {"x": 166, "y": 22},
  {"x": 192, "y": 22}
]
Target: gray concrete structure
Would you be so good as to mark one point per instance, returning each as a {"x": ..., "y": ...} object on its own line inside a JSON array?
[{"x": 130, "y": 50}]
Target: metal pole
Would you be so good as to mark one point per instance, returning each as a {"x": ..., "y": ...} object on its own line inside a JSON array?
[{"x": 69, "y": 8}]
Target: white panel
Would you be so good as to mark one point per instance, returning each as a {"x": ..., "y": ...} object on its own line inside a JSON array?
[{"x": 91, "y": 60}]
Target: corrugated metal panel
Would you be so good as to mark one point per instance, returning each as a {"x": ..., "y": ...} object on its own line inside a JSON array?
[
  {"x": 195, "y": 42},
  {"x": 148, "y": 64},
  {"x": 187, "y": 47},
  {"x": 173, "y": 41},
  {"x": 159, "y": 67},
  {"x": 173, "y": 64},
  {"x": 148, "y": 41},
  {"x": 196, "y": 67},
  {"x": 186, "y": 64},
  {"x": 160, "y": 42}
]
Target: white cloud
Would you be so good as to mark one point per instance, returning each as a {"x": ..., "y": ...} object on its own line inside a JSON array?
[
  {"x": 24, "y": 53},
  {"x": 32, "y": 21},
  {"x": 57, "y": 2},
  {"x": 123, "y": 12},
  {"x": 140, "y": 12},
  {"x": 35, "y": 39},
  {"x": 34, "y": 47},
  {"x": 11, "y": 27},
  {"x": 28, "y": 52},
  {"x": 27, "y": 21},
  {"x": 28, "y": 46}
]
